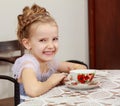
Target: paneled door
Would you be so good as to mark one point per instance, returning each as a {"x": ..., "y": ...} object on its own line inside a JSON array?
[{"x": 104, "y": 34}]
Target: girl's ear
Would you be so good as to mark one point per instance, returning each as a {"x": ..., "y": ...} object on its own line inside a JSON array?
[{"x": 26, "y": 43}]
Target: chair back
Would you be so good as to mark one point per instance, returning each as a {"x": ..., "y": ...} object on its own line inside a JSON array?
[
  {"x": 78, "y": 62},
  {"x": 16, "y": 89},
  {"x": 11, "y": 47}
]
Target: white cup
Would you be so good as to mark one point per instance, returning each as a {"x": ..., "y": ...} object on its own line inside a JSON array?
[{"x": 82, "y": 75}]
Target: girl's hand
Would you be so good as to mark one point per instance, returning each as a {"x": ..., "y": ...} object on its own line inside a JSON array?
[{"x": 56, "y": 78}]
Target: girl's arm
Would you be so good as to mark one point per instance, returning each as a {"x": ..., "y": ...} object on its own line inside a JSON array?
[
  {"x": 67, "y": 66},
  {"x": 33, "y": 87}
]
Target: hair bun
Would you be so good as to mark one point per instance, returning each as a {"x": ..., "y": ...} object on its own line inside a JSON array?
[{"x": 29, "y": 16}]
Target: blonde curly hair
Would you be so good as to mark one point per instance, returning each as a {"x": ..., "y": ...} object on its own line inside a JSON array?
[{"x": 29, "y": 17}]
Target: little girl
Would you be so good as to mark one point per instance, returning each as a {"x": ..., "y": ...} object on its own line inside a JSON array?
[{"x": 38, "y": 71}]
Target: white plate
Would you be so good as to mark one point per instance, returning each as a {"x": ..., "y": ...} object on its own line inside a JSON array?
[{"x": 75, "y": 85}]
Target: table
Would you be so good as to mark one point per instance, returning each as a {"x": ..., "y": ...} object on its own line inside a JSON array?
[{"x": 107, "y": 94}]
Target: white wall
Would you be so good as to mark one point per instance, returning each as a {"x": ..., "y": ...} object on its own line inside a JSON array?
[{"x": 71, "y": 16}]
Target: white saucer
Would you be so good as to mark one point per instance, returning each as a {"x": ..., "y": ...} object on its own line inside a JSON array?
[{"x": 76, "y": 85}]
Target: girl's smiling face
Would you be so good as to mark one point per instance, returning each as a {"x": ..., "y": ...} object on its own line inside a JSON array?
[{"x": 43, "y": 41}]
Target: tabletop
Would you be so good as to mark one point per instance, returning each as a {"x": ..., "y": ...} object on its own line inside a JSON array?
[{"x": 107, "y": 93}]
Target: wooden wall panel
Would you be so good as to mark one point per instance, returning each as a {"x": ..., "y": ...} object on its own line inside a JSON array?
[{"x": 104, "y": 34}]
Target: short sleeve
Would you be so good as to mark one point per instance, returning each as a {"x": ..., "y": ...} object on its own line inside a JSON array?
[{"x": 23, "y": 62}]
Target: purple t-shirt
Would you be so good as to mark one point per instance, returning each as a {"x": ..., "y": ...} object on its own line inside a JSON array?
[{"x": 29, "y": 61}]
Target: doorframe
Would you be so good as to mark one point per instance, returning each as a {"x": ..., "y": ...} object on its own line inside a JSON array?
[{"x": 91, "y": 27}]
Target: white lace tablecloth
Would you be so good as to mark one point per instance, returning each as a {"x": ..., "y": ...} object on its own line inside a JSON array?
[{"x": 107, "y": 94}]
